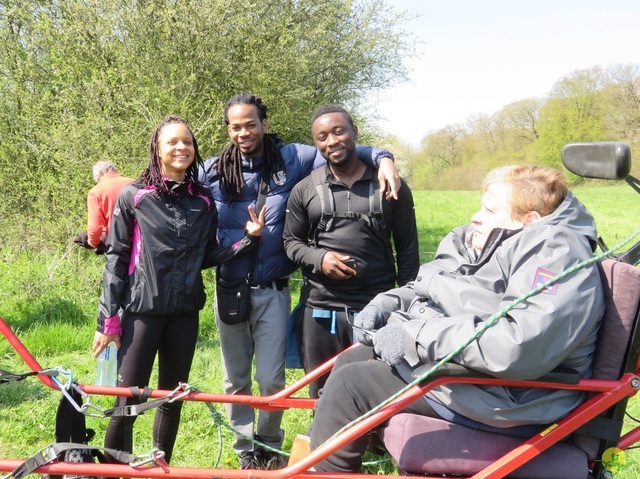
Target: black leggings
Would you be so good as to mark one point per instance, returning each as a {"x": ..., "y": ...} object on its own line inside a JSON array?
[
  {"x": 173, "y": 338},
  {"x": 357, "y": 384}
]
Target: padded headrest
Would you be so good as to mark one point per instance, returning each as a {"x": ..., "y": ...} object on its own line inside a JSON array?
[{"x": 607, "y": 160}]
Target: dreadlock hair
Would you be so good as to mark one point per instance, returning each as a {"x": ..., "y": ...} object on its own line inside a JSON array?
[
  {"x": 152, "y": 175},
  {"x": 229, "y": 162}
]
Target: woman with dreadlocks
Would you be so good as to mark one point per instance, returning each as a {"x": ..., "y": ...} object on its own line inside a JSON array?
[
  {"x": 234, "y": 178},
  {"x": 162, "y": 234}
]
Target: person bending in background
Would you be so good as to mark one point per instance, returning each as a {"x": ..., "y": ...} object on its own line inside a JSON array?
[
  {"x": 101, "y": 201},
  {"x": 530, "y": 228},
  {"x": 162, "y": 234}
]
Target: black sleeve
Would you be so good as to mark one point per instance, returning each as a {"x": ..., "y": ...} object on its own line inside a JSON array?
[{"x": 405, "y": 235}]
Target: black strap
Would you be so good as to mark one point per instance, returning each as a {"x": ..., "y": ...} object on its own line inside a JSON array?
[
  {"x": 137, "y": 409},
  {"x": 71, "y": 425},
  {"x": 7, "y": 376},
  {"x": 376, "y": 213},
  {"x": 262, "y": 199},
  {"x": 374, "y": 218},
  {"x": 318, "y": 177},
  {"x": 54, "y": 451}
]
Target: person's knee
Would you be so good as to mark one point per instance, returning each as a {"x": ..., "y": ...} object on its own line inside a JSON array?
[
  {"x": 343, "y": 381},
  {"x": 271, "y": 379},
  {"x": 353, "y": 355},
  {"x": 270, "y": 385}
]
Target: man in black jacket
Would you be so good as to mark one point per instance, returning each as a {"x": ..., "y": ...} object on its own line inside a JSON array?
[{"x": 338, "y": 229}]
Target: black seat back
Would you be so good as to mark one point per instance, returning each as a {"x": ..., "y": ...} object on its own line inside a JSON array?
[{"x": 617, "y": 350}]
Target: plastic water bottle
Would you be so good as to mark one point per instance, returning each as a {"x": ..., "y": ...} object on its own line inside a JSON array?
[{"x": 107, "y": 366}]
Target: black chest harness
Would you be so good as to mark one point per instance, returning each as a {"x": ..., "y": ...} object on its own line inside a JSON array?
[{"x": 374, "y": 218}]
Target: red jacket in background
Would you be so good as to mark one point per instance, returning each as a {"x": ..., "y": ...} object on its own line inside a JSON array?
[{"x": 101, "y": 200}]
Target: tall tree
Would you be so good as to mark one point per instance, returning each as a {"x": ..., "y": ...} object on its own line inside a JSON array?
[
  {"x": 586, "y": 105},
  {"x": 522, "y": 118},
  {"x": 444, "y": 146},
  {"x": 87, "y": 79},
  {"x": 571, "y": 114},
  {"x": 621, "y": 103}
]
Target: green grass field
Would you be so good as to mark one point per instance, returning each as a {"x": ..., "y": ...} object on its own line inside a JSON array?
[{"x": 50, "y": 301}]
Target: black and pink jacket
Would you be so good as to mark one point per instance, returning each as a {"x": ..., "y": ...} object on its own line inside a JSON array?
[{"x": 157, "y": 246}]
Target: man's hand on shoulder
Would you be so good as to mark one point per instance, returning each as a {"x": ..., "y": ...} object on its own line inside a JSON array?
[{"x": 389, "y": 178}]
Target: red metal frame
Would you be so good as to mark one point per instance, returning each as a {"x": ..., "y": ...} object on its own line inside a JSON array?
[{"x": 606, "y": 394}]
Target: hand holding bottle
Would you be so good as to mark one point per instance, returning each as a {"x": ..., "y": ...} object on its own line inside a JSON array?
[{"x": 107, "y": 367}]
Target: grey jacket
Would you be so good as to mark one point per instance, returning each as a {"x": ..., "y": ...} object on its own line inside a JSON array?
[{"x": 456, "y": 292}]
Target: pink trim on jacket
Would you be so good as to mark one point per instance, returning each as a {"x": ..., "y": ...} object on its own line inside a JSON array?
[
  {"x": 136, "y": 247},
  {"x": 112, "y": 325},
  {"x": 200, "y": 195}
]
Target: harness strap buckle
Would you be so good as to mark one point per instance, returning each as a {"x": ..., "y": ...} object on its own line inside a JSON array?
[{"x": 153, "y": 457}]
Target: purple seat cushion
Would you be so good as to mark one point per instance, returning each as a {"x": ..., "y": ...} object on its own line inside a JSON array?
[{"x": 421, "y": 444}]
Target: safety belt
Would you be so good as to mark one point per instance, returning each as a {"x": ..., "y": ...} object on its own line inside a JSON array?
[{"x": 53, "y": 451}]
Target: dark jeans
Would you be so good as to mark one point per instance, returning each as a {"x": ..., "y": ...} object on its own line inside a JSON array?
[
  {"x": 173, "y": 338},
  {"x": 357, "y": 384}
]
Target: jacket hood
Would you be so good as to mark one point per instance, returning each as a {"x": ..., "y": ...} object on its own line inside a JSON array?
[{"x": 571, "y": 213}]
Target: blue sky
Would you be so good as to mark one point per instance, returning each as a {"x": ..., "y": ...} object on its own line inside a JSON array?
[{"x": 478, "y": 56}]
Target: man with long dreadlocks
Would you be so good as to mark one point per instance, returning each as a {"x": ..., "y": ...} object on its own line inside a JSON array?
[{"x": 234, "y": 178}]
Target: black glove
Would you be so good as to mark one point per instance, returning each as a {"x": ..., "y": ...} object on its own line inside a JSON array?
[
  {"x": 101, "y": 248},
  {"x": 387, "y": 344},
  {"x": 82, "y": 240},
  {"x": 370, "y": 319}
]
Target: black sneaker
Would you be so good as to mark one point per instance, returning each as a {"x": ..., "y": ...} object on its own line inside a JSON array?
[
  {"x": 269, "y": 460},
  {"x": 248, "y": 460}
]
